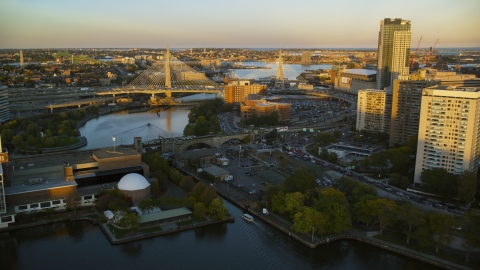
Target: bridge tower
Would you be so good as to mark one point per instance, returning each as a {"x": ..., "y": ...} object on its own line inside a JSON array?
[
  {"x": 279, "y": 76},
  {"x": 168, "y": 78}
]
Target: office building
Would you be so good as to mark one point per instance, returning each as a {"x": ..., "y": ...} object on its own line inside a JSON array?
[
  {"x": 306, "y": 58},
  {"x": 393, "y": 51},
  {"x": 449, "y": 130},
  {"x": 371, "y": 106},
  {"x": 237, "y": 90},
  {"x": 6, "y": 216},
  {"x": 257, "y": 105}
]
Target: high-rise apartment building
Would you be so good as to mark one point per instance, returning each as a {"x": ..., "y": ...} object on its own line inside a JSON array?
[
  {"x": 449, "y": 130},
  {"x": 306, "y": 58},
  {"x": 407, "y": 95},
  {"x": 371, "y": 106},
  {"x": 406, "y": 101},
  {"x": 4, "y": 105},
  {"x": 394, "y": 41}
]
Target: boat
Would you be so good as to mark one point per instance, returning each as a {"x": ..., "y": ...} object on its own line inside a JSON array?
[{"x": 247, "y": 217}]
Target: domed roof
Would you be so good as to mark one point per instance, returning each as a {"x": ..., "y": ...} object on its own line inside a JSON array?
[{"x": 133, "y": 181}]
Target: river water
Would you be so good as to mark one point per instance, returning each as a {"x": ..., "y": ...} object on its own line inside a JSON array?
[
  {"x": 238, "y": 245},
  {"x": 124, "y": 127}
]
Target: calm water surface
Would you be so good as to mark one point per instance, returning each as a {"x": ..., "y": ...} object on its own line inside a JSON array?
[
  {"x": 124, "y": 127},
  {"x": 238, "y": 245}
]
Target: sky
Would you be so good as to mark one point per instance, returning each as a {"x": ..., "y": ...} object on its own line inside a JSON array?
[{"x": 231, "y": 24}]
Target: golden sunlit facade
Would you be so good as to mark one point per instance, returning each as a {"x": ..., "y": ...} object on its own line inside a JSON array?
[
  {"x": 237, "y": 90},
  {"x": 259, "y": 107},
  {"x": 371, "y": 107},
  {"x": 449, "y": 130}
]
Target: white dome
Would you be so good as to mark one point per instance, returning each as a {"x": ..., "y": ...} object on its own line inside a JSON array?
[{"x": 133, "y": 181}]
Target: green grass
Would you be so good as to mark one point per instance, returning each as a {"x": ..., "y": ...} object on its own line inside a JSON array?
[
  {"x": 118, "y": 233},
  {"x": 189, "y": 222}
]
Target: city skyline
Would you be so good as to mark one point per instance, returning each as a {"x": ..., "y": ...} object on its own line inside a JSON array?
[{"x": 253, "y": 24}]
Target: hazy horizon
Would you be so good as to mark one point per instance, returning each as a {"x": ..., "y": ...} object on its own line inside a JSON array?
[{"x": 279, "y": 24}]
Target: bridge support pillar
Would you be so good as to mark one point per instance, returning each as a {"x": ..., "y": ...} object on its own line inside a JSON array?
[
  {"x": 51, "y": 110},
  {"x": 79, "y": 106},
  {"x": 168, "y": 94}
]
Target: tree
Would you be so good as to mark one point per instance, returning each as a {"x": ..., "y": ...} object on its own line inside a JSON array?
[
  {"x": 332, "y": 157},
  {"x": 208, "y": 196},
  {"x": 199, "y": 210},
  {"x": 383, "y": 212},
  {"x": 130, "y": 221},
  {"x": 346, "y": 185},
  {"x": 399, "y": 181},
  {"x": 198, "y": 190},
  {"x": 187, "y": 183},
  {"x": 309, "y": 220},
  {"x": 471, "y": 237},
  {"x": 324, "y": 154},
  {"x": 361, "y": 210},
  {"x": 337, "y": 134},
  {"x": 441, "y": 227},
  {"x": 302, "y": 179},
  {"x": 176, "y": 176},
  {"x": 439, "y": 181},
  {"x": 17, "y": 141},
  {"x": 411, "y": 217},
  {"x": 467, "y": 186},
  {"x": 33, "y": 129},
  {"x": 217, "y": 209},
  {"x": 324, "y": 139},
  {"x": 362, "y": 190},
  {"x": 294, "y": 202},
  {"x": 333, "y": 204},
  {"x": 366, "y": 163},
  {"x": 277, "y": 202},
  {"x": 147, "y": 205}
]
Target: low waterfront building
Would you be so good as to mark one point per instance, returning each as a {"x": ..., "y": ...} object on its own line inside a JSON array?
[
  {"x": 135, "y": 186},
  {"x": 160, "y": 217},
  {"x": 38, "y": 183},
  {"x": 353, "y": 80},
  {"x": 218, "y": 173}
]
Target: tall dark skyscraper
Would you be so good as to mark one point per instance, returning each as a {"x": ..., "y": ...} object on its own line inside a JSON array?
[{"x": 394, "y": 41}]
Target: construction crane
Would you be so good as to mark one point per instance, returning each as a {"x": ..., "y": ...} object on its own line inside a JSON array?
[
  {"x": 414, "y": 54},
  {"x": 427, "y": 57}
]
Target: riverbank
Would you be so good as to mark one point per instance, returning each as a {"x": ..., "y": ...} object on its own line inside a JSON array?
[{"x": 352, "y": 234}]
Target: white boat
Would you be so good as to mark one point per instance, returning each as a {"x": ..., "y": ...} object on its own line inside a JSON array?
[{"x": 247, "y": 217}]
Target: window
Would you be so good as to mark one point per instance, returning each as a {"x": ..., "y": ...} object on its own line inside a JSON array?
[
  {"x": 23, "y": 207},
  {"x": 45, "y": 204},
  {"x": 34, "y": 205},
  {"x": 56, "y": 202}
]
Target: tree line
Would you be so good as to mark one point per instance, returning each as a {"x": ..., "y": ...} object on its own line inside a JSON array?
[
  {"x": 203, "y": 118},
  {"x": 332, "y": 210}
]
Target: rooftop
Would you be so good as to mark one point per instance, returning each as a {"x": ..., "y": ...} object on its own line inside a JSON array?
[
  {"x": 164, "y": 214},
  {"x": 215, "y": 170},
  {"x": 105, "y": 153},
  {"x": 365, "y": 72}
]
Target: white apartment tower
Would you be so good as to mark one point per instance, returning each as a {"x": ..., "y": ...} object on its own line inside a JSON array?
[
  {"x": 371, "y": 106},
  {"x": 394, "y": 41},
  {"x": 449, "y": 130}
]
